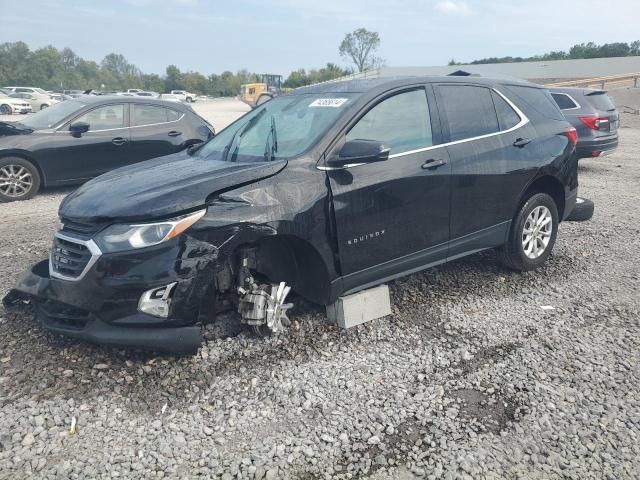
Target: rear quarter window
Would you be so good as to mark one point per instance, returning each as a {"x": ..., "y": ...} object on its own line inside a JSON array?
[
  {"x": 534, "y": 99},
  {"x": 507, "y": 116},
  {"x": 564, "y": 101}
]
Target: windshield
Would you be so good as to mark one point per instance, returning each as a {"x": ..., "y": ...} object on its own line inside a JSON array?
[
  {"x": 52, "y": 116},
  {"x": 279, "y": 129}
]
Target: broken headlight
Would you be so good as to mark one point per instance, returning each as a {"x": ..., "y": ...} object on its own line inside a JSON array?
[{"x": 121, "y": 237}]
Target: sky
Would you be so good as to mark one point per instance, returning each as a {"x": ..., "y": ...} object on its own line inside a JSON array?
[{"x": 278, "y": 36}]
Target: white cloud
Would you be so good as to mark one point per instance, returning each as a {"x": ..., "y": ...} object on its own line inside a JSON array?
[{"x": 451, "y": 7}]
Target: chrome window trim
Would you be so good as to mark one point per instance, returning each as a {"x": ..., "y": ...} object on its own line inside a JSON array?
[
  {"x": 324, "y": 168},
  {"x": 523, "y": 121},
  {"x": 94, "y": 131},
  {"x": 575, "y": 102},
  {"x": 95, "y": 251},
  {"x": 182, "y": 114}
]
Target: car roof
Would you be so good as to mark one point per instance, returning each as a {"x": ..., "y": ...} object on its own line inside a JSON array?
[
  {"x": 576, "y": 90},
  {"x": 96, "y": 99},
  {"x": 383, "y": 83}
]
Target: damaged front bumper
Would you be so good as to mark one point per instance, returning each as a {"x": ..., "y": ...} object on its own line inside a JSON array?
[{"x": 103, "y": 307}]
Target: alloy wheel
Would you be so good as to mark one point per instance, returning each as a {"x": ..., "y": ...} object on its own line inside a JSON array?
[
  {"x": 537, "y": 231},
  {"x": 15, "y": 181},
  {"x": 5, "y": 110}
]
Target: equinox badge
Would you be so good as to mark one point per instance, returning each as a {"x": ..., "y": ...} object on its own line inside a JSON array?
[{"x": 367, "y": 236}]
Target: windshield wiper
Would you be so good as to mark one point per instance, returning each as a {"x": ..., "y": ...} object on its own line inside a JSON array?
[
  {"x": 271, "y": 149},
  {"x": 239, "y": 133}
]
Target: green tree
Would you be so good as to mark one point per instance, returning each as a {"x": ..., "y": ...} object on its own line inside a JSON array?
[
  {"x": 173, "y": 78},
  {"x": 578, "y": 51},
  {"x": 360, "y": 47}
]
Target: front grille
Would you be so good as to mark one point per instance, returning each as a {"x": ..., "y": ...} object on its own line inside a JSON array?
[
  {"x": 82, "y": 229},
  {"x": 69, "y": 258}
]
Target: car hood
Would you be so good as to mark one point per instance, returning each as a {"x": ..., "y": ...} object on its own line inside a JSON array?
[
  {"x": 8, "y": 129},
  {"x": 159, "y": 188}
]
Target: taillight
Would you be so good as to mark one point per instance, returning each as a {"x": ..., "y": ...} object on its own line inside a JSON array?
[
  {"x": 572, "y": 135},
  {"x": 595, "y": 123}
]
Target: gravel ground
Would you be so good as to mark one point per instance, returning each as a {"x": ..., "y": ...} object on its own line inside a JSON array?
[{"x": 470, "y": 377}]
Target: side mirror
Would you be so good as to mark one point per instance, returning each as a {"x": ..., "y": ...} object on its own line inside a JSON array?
[
  {"x": 360, "y": 151},
  {"x": 79, "y": 128}
]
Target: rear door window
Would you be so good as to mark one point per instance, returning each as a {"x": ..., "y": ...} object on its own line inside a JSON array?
[
  {"x": 149, "y": 115},
  {"x": 564, "y": 101},
  {"x": 507, "y": 116},
  {"x": 401, "y": 122},
  {"x": 469, "y": 111}
]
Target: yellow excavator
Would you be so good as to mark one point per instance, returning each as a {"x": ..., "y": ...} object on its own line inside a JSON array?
[{"x": 255, "y": 94}]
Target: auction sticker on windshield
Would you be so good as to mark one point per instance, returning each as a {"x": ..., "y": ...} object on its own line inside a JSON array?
[{"x": 328, "y": 102}]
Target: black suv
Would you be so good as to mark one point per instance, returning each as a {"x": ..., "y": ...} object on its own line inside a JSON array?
[{"x": 328, "y": 190}]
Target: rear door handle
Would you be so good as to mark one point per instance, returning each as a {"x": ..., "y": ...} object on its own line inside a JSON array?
[
  {"x": 174, "y": 133},
  {"x": 119, "y": 141},
  {"x": 432, "y": 164},
  {"x": 521, "y": 142}
]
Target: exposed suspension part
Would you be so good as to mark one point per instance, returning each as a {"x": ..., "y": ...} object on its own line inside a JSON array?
[{"x": 262, "y": 305}]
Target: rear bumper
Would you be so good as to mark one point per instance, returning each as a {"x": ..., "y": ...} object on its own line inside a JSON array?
[
  {"x": 72, "y": 318},
  {"x": 597, "y": 147}
]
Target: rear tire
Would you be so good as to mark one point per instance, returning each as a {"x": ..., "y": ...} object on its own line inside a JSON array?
[
  {"x": 532, "y": 235},
  {"x": 5, "y": 110},
  {"x": 19, "y": 179},
  {"x": 43, "y": 106}
]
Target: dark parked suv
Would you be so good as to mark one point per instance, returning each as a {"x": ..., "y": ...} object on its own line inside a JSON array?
[
  {"x": 78, "y": 139},
  {"x": 326, "y": 191},
  {"x": 593, "y": 115}
]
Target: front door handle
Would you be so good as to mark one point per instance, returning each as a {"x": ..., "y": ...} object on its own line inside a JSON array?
[
  {"x": 432, "y": 164},
  {"x": 521, "y": 142},
  {"x": 174, "y": 133},
  {"x": 119, "y": 141}
]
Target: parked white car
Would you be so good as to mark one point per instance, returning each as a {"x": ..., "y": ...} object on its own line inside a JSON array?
[
  {"x": 148, "y": 94},
  {"x": 171, "y": 97},
  {"x": 10, "y": 105},
  {"x": 184, "y": 95},
  {"x": 58, "y": 97},
  {"x": 37, "y": 102},
  {"x": 37, "y": 97}
]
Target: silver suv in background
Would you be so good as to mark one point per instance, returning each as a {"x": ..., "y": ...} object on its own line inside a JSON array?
[{"x": 594, "y": 116}]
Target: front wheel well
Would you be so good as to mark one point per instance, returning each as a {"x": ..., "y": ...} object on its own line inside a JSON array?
[
  {"x": 28, "y": 159},
  {"x": 551, "y": 186},
  {"x": 290, "y": 259}
]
